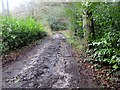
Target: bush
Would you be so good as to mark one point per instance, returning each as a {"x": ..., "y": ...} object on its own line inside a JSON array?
[
  {"x": 107, "y": 34},
  {"x": 57, "y": 24},
  {"x": 107, "y": 50},
  {"x": 18, "y": 32}
]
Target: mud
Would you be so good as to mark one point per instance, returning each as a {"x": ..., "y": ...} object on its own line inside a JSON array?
[{"x": 51, "y": 64}]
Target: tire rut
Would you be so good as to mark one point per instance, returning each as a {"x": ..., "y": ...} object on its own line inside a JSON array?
[{"x": 48, "y": 65}]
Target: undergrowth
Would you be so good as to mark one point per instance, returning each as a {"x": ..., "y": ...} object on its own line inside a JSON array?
[{"x": 19, "y": 32}]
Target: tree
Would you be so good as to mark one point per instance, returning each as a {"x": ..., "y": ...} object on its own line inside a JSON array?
[
  {"x": 8, "y": 11},
  {"x": 88, "y": 25},
  {"x": 3, "y": 8},
  {"x": 5, "y": 11}
]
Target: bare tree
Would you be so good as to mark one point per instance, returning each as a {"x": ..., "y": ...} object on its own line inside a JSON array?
[
  {"x": 5, "y": 11},
  {"x": 3, "y": 8},
  {"x": 8, "y": 11}
]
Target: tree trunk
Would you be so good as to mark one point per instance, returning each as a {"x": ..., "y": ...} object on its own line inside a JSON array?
[
  {"x": 3, "y": 9},
  {"x": 88, "y": 25},
  {"x": 8, "y": 12}
]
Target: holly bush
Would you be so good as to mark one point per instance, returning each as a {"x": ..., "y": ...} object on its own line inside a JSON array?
[{"x": 18, "y": 32}]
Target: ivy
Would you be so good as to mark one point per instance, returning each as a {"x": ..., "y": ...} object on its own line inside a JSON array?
[{"x": 105, "y": 44}]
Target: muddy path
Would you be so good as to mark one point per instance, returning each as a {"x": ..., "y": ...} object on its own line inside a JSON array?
[{"x": 51, "y": 64}]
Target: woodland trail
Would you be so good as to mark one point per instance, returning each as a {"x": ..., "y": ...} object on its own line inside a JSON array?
[{"x": 51, "y": 64}]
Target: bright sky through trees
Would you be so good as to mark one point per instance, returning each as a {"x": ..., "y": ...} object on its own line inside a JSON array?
[{"x": 12, "y": 3}]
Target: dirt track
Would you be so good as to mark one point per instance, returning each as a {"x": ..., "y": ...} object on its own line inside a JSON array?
[{"x": 51, "y": 64}]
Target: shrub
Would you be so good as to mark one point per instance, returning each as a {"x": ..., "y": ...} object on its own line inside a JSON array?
[
  {"x": 18, "y": 32},
  {"x": 57, "y": 24},
  {"x": 107, "y": 50}
]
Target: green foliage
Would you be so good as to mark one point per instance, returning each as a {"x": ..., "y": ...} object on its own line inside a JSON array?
[
  {"x": 54, "y": 16},
  {"x": 18, "y": 32},
  {"x": 57, "y": 24},
  {"x": 106, "y": 17},
  {"x": 73, "y": 12},
  {"x": 107, "y": 49},
  {"x": 107, "y": 34},
  {"x": 106, "y": 41}
]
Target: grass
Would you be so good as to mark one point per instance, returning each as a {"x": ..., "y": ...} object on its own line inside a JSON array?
[{"x": 76, "y": 43}]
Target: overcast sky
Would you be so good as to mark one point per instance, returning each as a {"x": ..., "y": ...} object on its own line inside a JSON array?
[{"x": 12, "y": 3}]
